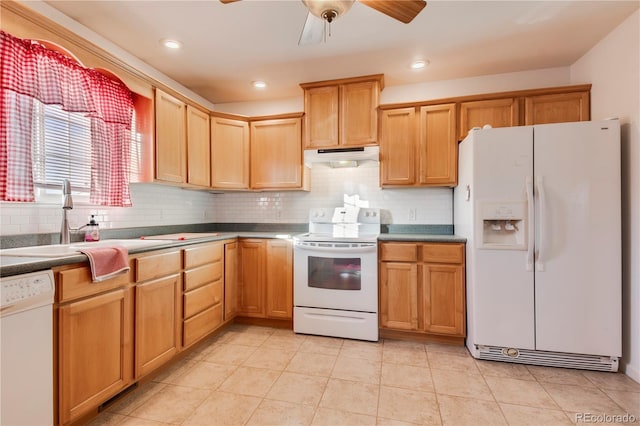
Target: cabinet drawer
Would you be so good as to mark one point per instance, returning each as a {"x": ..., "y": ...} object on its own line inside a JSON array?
[
  {"x": 406, "y": 252},
  {"x": 202, "y": 298},
  {"x": 201, "y": 254},
  {"x": 443, "y": 253},
  {"x": 157, "y": 265},
  {"x": 201, "y": 324},
  {"x": 76, "y": 283},
  {"x": 202, "y": 275}
]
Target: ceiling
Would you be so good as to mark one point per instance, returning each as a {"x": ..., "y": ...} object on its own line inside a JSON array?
[{"x": 227, "y": 46}]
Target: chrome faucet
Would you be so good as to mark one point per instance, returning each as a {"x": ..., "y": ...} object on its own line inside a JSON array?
[{"x": 65, "y": 230}]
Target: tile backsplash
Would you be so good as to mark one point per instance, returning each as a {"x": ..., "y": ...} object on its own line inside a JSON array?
[{"x": 156, "y": 204}]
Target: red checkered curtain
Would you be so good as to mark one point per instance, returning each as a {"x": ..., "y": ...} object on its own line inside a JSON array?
[{"x": 31, "y": 71}]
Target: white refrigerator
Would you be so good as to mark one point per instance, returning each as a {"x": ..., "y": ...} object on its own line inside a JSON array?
[{"x": 540, "y": 209}]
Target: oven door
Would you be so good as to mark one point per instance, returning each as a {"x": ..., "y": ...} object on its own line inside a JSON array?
[{"x": 336, "y": 275}]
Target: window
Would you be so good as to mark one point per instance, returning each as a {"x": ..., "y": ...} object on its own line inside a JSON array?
[{"x": 61, "y": 150}]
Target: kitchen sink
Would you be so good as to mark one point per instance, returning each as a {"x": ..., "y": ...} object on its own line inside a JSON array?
[{"x": 66, "y": 250}]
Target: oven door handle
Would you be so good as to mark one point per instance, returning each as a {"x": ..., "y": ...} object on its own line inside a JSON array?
[{"x": 373, "y": 248}]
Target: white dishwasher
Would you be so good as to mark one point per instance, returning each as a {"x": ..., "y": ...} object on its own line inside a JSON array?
[{"x": 26, "y": 334}]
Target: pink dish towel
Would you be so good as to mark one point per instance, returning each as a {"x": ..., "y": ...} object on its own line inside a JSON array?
[{"x": 107, "y": 262}]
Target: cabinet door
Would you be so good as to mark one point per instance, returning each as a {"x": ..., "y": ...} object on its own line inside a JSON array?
[
  {"x": 229, "y": 153},
  {"x": 171, "y": 134},
  {"x": 557, "y": 108},
  {"x": 399, "y": 295},
  {"x": 230, "y": 280},
  {"x": 276, "y": 154},
  {"x": 495, "y": 112},
  {"x": 321, "y": 117},
  {"x": 398, "y": 147},
  {"x": 198, "y": 147},
  {"x": 157, "y": 323},
  {"x": 443, "y": 299},
  {"x": 359, "y": 113},
  {"x": 438, "y": 147},
  {"x": 95, "y": 351},
  {"x": 279, "y": 267},
  {"x": 251, "y": 278}
]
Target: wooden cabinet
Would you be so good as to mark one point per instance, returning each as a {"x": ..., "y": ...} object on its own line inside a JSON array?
[
  {"x": 251, "y": 278},
  {"x": 342, "y": 113},
  {"x": 422, "y": 289},
  {"x": 94, "y": 335},
  {"x": 158, "y": 310},
  {"x": 525, "y": 107},
  {"x": 494, "y": 112},
  {"x": 229, "y": 153},
  {"x": 198, "y": 147},
  {"x": 437, "y": 146},
  {"x": 230, "y": 280},
  {"x": 203, "y": 287},
  {"x": 418, "y": 146},
  {"x": 279, "y": 277},
  {"x": 171, "y": 138},
  {"x": 182, "y": 142},
  {"x": 265, "y": 278},
  {"x": 557, "y": 108},
  {"x": 276, "y": 154}
]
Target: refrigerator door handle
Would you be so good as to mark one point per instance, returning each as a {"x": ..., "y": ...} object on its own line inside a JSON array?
[
  {"x": 531, "y": 224},
  {"x": 541, "y": 222}
]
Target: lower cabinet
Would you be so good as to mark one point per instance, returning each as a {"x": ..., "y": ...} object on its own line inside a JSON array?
[
  {"x": 94, "y": 341},
  {"x": 422, "y": 288},
  {"x": 265, "y": 278},
  {"x": 158, "y": 308},
  {"x": 230, "y": 280},
  {"x": 203, "y": 282}
]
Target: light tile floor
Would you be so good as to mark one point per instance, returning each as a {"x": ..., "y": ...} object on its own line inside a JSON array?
[{"x": 263, "y": 376}]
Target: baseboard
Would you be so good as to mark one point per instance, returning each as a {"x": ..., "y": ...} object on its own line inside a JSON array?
[
  {"x": 420, "y": 337},
  {"x": 631, "y": 371},
  {"x": 265, "y": 322}
]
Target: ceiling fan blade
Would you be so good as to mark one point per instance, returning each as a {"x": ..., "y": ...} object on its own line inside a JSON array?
[
  {"x": 228, "y": 1},
  {"x": 402, "y": 10},
  {"x": 313, "y": 31}
]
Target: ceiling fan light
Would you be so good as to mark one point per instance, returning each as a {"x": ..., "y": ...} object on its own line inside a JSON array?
[
  {"x": 259, "y": 84},
  {"x": 328, "y": 9}
]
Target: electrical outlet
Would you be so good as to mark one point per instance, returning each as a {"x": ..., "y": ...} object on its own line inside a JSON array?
[{"x": 412, "y": 214}]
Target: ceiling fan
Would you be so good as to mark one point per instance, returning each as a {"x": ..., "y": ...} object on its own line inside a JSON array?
[{"x": 323, "y": 12}]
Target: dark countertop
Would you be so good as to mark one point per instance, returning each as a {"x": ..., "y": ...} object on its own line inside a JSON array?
[{"x": 14, "y": 265}]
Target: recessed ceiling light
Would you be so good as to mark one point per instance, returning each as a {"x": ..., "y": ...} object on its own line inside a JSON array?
[
  {"x": 259, "y": 84},
  {"x": 171, "y": 44},
  {"x": 417, "y": 65}
]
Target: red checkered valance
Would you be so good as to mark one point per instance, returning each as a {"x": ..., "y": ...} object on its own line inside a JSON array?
[{"x": 29, "y": 71}]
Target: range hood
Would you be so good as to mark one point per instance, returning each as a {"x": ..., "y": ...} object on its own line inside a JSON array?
[{"x": 341, "y": 157}]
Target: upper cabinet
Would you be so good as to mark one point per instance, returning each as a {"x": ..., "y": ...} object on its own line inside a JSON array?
[
  {"x": 494, "y": 112},
  {"x": 182, "y": 142},
  {"x": 342, "y": 113},
  {"x": 276, "y": 154},
  {"x": 557, "y": 108},
  {"x": 418, "y": 146},
  {"x": 263, "y": 153},
  {"x": 229, "y": 153},
  {"x": 171, "y": 138},
  {"x": 198, "y": 147},
  {"x": 525, "y": 107}
]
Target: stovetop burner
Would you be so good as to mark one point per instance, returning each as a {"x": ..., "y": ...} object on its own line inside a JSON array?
[{"x": 343, "y": 224}]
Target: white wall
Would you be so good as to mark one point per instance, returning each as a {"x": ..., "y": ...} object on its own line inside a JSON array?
[
  {"x": 152, "y": 205},
  {"x": 613, "y": 67}
]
